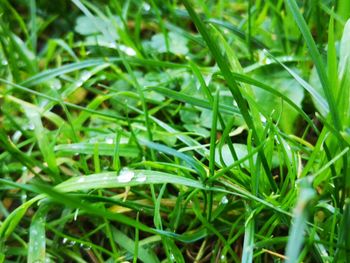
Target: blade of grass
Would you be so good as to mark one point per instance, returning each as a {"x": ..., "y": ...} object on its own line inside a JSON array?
[
  {"x": 248, "y": 244},
  {"x": 128, "y": 244},
  {"x": 232, "y": 85},
  {"x": 37, "y": 236},
  {"x": 296, "y": 234},
  {"x": 212, "y": 163},
  {"x": 33, "y": 25},
  {"x": 316, "y": 57}
]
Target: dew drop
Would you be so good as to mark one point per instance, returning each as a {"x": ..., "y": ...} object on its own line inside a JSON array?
[
  {"x": 125, "y": 175},
  {"x": 56, "y": 85},
  {"x": 172, "y": 257},
  {"x": 128, "y": 50},
  {"x": 31, "y": 126},
  {"x": 224, "y": 200},
  {"x": 71, "y": 243},
  {"x": 64, "y": 240},
  {"x": 76, "y": 215},
  {"x": 79, "y": 83},
  {"x": 81, "y": 180},
  {"x": 109, "y": 140},
  {"x": 146, "y": 7},
  {"x": 85, "y": 246},
  {"x": 85, "y": 76},
  {"x": 141, "y": 178}
]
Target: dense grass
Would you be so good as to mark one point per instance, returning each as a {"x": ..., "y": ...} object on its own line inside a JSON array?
[{"x": 165, "y": 131}]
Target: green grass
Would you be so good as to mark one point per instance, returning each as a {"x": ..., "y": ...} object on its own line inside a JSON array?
[{"x": 174, "y": 131}]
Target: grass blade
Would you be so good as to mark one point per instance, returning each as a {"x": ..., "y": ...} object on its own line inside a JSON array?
[
  {"x": 316, "y": 57},
  {"x": 296, "y": 235},
  {"x": 231, "y": 82},
  {"x": 37, "y": 236}
]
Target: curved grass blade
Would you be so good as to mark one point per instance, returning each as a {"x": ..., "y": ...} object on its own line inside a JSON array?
[
  {"x": 165, "y": 149},
  {"x": 127, "y": 243},
  {"x": 241, "y": 34},
  {"x": 316, "y": 57}
]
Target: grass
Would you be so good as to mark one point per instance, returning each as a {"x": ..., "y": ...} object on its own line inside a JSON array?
[{"x": 166, "y": 131}]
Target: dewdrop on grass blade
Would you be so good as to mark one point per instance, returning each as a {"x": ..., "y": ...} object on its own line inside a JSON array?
[
  {"x": 71, "y": 243},
  {"x": 224, "y": 200},
  {"x": 109, "y": 140},
  {"x": 81, "y": 180},
  {"x": 141, "y": 178},
  {"x": 146, "y": 6},
  {"x": 85, "y": 246},
  {"x": 125, "y": 175},
  {"x": 76, "y": 214},
  {"x": 85, "y": 75}
]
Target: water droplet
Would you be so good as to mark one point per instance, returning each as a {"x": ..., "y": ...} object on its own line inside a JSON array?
[
  {"x": 125, "y": 175},
  {"x": 76, "y": 215},
  {"x": 85, "y": 75},
  {"x": 93, "y": 140},
  {"x": 64, "y": 240},
  {"x": 224, "y": 200},
  {"x": 223, "y": 258},
  {"x": 24, "y": 168},
  {"x": 85, "y": 246},
  {"x": 146, "y": 6},
  {"x": 71, "y": 243},
  {"x": 109, "y": 140},
  {"x": 79, "y": 83},
  {"x": 172, "y": 257},
  {"x": 31, "y": 126},
  {"x": 16, "y": 136},
  {"x": 141, "y": 178},
  {"x": 56, "y": 84},
  {"x": 263, "y": 119},
  {"x": 4, "y": 62},
  {"x": 81, "y": 179},
  {"x": 127, "y": 50}
]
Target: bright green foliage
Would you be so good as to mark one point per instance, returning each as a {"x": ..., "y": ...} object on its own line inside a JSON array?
[{"x": 174, "y": 131}]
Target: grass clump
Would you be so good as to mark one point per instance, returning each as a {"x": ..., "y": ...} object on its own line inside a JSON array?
[{"x": 164, "y": 131}]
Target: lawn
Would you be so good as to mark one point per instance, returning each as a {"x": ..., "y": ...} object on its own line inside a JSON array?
[{"x": 174, "y": 131}]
